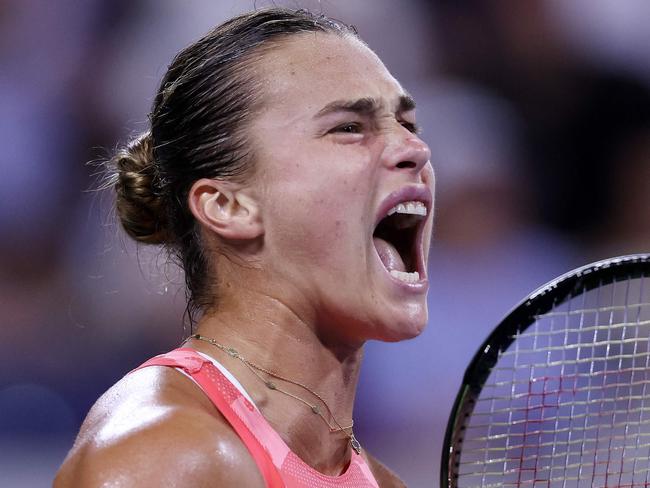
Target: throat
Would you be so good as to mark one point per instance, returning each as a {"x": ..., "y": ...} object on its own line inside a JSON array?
[{"x": 329, "y": 454}]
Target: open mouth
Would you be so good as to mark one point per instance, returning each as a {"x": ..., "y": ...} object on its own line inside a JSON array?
[{"x": 397, "y": 240}]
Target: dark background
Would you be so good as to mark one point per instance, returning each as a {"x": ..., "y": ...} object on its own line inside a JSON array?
[{"x": 538, "y": 117}]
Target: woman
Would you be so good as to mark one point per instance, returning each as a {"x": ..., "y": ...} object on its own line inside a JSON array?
[{"x": 284, "y": 170}]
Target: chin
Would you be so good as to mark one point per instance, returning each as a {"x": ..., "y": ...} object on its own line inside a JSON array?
[{"x": 406, "y": 325}]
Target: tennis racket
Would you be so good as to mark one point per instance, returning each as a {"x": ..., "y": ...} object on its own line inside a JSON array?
[{"x": 559, "y": 393}]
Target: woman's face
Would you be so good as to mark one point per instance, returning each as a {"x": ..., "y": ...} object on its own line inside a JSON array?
[{"x": 335, "y": 152}]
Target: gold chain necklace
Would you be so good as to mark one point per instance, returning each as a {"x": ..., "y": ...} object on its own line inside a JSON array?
[{"x": 255, "y": 369}]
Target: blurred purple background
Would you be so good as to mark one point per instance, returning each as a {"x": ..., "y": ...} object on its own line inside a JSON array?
[{"x": 538, "y": 117}]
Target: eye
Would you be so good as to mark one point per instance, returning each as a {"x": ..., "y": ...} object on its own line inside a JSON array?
[
  {"x": 348, "y": 128},
  {"x": 411, "y": 127}
]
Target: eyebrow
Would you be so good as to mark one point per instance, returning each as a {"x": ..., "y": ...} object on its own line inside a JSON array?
[{"x": 365, "y": 106}]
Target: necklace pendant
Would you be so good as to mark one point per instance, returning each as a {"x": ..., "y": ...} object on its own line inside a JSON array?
[{"x": 355, "y": 444}]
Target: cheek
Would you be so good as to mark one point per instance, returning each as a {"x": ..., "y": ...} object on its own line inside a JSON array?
[
  {"x": 327, "y": 190},
  {"x": 319, "y": 228},
  {"x": 317, "y": 205}
]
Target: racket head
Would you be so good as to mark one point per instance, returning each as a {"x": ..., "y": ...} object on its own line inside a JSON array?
[{"x": 552, "y": 296}]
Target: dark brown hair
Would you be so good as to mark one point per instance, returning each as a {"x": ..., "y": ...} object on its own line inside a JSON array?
[{"x": 198, "y": 121}]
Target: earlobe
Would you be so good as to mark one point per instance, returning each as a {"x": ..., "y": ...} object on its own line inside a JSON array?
[{"x": 225, "y": 208}]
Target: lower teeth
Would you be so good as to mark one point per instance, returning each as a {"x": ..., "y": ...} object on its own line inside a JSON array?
[{"x": 406, "y": 277}]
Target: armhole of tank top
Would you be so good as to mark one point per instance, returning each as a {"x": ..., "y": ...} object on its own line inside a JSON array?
[{"x": 225, "y": 372}]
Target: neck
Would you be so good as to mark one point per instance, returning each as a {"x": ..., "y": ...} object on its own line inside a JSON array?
[{"x": 269, "y": 334}]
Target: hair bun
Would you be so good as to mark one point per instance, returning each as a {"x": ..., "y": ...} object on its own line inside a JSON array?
[{"x": 139, "y": 206}]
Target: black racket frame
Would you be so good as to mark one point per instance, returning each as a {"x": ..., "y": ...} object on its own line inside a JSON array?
[{"x": 539, "y": 302}]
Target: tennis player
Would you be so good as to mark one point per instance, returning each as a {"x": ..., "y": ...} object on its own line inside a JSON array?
[{"x": 284, "y": 170}]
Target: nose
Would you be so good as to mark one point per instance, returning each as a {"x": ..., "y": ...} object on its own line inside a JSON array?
[{"x": 405, "y": 151}]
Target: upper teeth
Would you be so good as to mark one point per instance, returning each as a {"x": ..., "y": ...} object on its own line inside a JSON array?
[{"x": 412, "y": 207}]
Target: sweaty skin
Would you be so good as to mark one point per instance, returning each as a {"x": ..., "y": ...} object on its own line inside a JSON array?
[
  {"x": 301, "y": 286},
  {"x": 167, "y": 436}
]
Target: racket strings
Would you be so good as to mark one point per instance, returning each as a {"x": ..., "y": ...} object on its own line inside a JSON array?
[{"x": 567, "y": 404}]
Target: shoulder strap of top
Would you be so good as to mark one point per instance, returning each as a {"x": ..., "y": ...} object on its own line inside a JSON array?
[
  {"x": 279, "y": 466},
  {"x": 236, "y": 408}
]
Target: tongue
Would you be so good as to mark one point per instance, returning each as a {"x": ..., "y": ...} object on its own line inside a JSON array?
[{"x": 389, "y": 255}]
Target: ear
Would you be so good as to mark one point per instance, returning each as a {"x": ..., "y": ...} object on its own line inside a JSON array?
[{"x": 226, "y": 208}]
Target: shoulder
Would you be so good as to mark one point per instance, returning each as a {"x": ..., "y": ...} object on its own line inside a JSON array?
[
  {"x": 384, "y": 476},
  {"x": 156, "y": 428}
]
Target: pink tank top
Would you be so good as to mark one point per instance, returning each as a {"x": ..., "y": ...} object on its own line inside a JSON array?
[{"x": 280, "y": 467}]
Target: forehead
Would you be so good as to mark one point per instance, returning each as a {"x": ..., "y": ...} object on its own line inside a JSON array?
[{"x": 312, "y": 69}]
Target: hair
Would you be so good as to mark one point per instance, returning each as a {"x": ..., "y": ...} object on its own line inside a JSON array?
[{"x": 198, "y": 130}]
